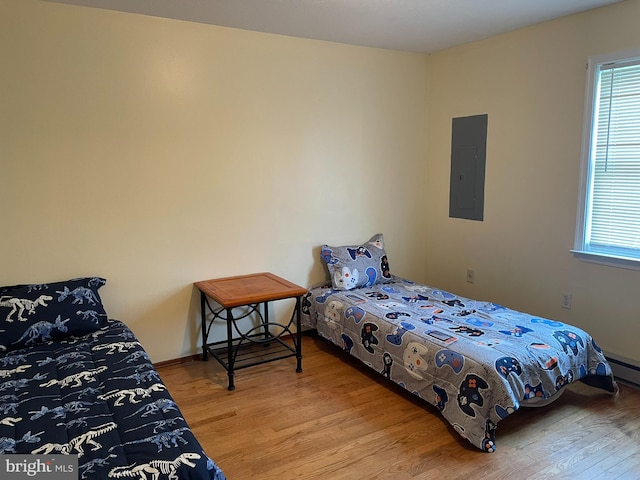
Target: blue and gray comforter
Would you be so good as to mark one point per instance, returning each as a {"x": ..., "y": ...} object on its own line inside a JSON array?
[{"x": 477, "y": 362}]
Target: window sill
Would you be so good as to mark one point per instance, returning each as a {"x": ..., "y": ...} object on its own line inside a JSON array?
[{"x": 609, "y": 260}]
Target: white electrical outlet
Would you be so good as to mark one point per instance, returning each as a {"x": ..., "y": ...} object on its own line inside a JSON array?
[
  {"x": 471, "y": 275},
  {"x": 566, "y": 301}
]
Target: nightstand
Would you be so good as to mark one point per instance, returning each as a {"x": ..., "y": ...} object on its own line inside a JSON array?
[{"x": 266, "y": 341}]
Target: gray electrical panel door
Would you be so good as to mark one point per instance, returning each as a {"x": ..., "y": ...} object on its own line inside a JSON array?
[{"x": 468, "y": 159}]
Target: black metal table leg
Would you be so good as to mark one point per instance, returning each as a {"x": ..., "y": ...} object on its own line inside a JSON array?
[
  {"x": 203, "y": 314},
  {"x": 230, "y": 352},
  {"x": 298, "y": 335},
  {"x": 265, "y": 319}
]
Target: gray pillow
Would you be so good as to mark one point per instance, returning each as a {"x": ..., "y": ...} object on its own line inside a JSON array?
[{"x": 352, "y": 266}]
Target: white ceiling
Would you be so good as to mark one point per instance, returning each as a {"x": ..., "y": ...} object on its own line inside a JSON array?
[{"x": 412, "y": 25}]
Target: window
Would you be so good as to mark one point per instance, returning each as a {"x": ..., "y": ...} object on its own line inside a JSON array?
[{"x": 609, "y": 211}]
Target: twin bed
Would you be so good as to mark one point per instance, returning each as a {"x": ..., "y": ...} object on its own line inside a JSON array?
[
  {"x": 477, "y": 362},
  {"x": 74, "y": 382}
]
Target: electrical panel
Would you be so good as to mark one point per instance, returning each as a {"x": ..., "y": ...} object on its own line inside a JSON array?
[{"x": 468, "y": 160}]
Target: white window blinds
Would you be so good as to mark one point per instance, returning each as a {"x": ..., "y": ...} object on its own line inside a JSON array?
[{"x": 612, "y": 213}]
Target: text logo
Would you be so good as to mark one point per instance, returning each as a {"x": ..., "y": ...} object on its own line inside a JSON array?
[{"x": 46, "y": 467}]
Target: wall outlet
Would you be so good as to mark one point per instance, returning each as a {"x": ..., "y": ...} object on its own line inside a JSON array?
[
  {"x": 471, "y": 275},
  {"x": 566, "y": 301}
]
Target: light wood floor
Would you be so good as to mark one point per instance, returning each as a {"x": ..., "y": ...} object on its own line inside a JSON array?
[{"x": 339, "y": 420}]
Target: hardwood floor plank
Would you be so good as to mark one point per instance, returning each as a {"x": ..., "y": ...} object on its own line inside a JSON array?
[{"x": 340, "y": 420}]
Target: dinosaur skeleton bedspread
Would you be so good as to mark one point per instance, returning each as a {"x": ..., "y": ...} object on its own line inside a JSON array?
[
  {"x": 95, "y": 395},
  {"x": 477, "y": 362}
]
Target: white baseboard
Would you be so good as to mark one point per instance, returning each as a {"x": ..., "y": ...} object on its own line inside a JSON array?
[{"x": 624, "y": 369}]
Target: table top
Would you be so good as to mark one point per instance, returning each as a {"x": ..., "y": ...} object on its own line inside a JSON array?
[{"x": 249, "y": 289}]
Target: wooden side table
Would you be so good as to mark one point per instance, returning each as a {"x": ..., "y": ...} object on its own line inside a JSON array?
[{"x": 259, "y": 344}]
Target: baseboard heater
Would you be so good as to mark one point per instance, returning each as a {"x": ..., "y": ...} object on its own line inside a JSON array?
[{"x": 624, "y": 369}]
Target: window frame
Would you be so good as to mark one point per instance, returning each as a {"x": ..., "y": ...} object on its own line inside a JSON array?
[{"x": 581, "y": 250}]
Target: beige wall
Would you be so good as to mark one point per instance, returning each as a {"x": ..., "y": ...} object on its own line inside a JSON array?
[
  {"x": 157, "y": 153},
  {"x": 531, "y": 83}
]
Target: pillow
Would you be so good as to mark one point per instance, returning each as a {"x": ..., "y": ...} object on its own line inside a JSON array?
[
  {"x": 354, "y": 266},
  {"x": 36, "y": 313}
]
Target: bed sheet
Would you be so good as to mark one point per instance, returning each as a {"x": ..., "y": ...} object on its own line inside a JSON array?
[
  {"x": 98, "y": 397},
  {"x": 477, "y": 362}
]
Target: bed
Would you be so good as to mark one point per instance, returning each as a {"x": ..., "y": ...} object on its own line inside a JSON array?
[
  {"x": 477, "y": 362},
  {"x": 74, "y": 382}
]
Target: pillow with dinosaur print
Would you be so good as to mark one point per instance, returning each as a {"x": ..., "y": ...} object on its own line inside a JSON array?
[
  {"x": 352, "y": 266},
  {"x": 37, "y": 313}
]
